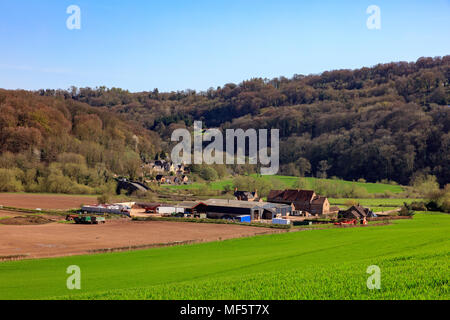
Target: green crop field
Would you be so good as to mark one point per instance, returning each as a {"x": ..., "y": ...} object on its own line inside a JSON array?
[
  {"x": 289, "y": 182},
  {"x": 322, "y": 264}
]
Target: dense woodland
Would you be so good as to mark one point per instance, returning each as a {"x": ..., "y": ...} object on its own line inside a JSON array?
[
  {"x": 388, "y": 122},
  {"x": 52, "y": 144}
]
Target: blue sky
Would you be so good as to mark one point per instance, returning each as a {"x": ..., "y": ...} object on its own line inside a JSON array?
[{"x": 176, "y": 45}]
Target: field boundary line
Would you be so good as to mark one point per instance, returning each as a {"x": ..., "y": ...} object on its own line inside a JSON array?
[{"x": 14, "y": 257}]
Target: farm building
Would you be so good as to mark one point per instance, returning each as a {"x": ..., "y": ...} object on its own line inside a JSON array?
[
  {"x": 157, "y": 208},
  {"x": 334, "y": 209},
  {"x": 246, "y": 195},
  {"x": 148, "y": 207},
  {"x": 193, "y": 208},
  {"x": 303, "y": 200},
  {"x": 152, "y": 208},
  {"x": 164, "y": 209},
  {"x": 160, "y": 178},
  {"x": 123, "y": 209},
  {"x": 220, "y": 208},
  {"x": 161, "y": 166},
  {"x": 277, "y": 209},
  {"x": 180, "y": 179},
  {"x": 173, "y": 180},
  {"x": 189, "y": 206},
  {"x": 169, "y": 167},
  {"x": 180, "y": 169},
  {"x": 355, "y": 212},
  {"x": 183, "y": 178}
]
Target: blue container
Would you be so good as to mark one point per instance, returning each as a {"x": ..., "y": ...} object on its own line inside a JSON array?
[{"x": 244, "y": 219}]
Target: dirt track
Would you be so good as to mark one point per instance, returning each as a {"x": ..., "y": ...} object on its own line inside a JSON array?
[
  {"x": 43, "y": 201},
  {"x": 56, "y": 239}
]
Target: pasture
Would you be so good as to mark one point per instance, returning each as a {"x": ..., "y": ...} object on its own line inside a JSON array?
[
  {"x": 289, "y": 182},
  {"x": 375, "y": 202}
]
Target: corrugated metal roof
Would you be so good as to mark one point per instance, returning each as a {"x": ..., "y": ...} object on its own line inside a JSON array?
[
  {"x": 233, "y": 203},
  {"x": 189, "y": 204},
  {"x": 243, "y": 204}
]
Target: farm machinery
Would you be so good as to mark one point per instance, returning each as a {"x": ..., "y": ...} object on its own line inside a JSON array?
[
  {"x": 346, "y": 222},
  {"x": 85, "y": 219}
]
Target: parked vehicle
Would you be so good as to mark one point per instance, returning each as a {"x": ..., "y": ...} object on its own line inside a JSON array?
[
  {"x": 107, "y": 209},
  {"x": 246, "y": 218},
  {"x": 84, "y": 219},
  {"x": 165, "y": 210}
]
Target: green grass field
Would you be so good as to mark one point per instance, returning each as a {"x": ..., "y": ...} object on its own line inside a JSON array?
[
  {"x": 382, "y": 209},
  {"x": 375, "y": 202},
  {"x": 216, "y": 185},
  {"x": 370, "y": 187},
  {"x": 322, "y": 264},
  {"x": 289, "y": 182}
]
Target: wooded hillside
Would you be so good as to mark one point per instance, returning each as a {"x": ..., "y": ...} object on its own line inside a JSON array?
[
  {"x": 52, "y": 144},
  {"x": 388, "y": 122}
]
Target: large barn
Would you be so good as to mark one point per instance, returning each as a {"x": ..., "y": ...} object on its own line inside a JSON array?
[
  {"x": 356, "y": 212},
  {"x": 221, "y": 208},
  {"x": 246, "y": 195}
]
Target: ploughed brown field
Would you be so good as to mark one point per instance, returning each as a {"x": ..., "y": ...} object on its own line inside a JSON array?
[
  {"x": 44, "y": 201},
  {"x": 57, "y": 239}
]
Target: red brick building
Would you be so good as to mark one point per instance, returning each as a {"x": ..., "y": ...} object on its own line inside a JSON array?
[{"x": 303, "y": 200}]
